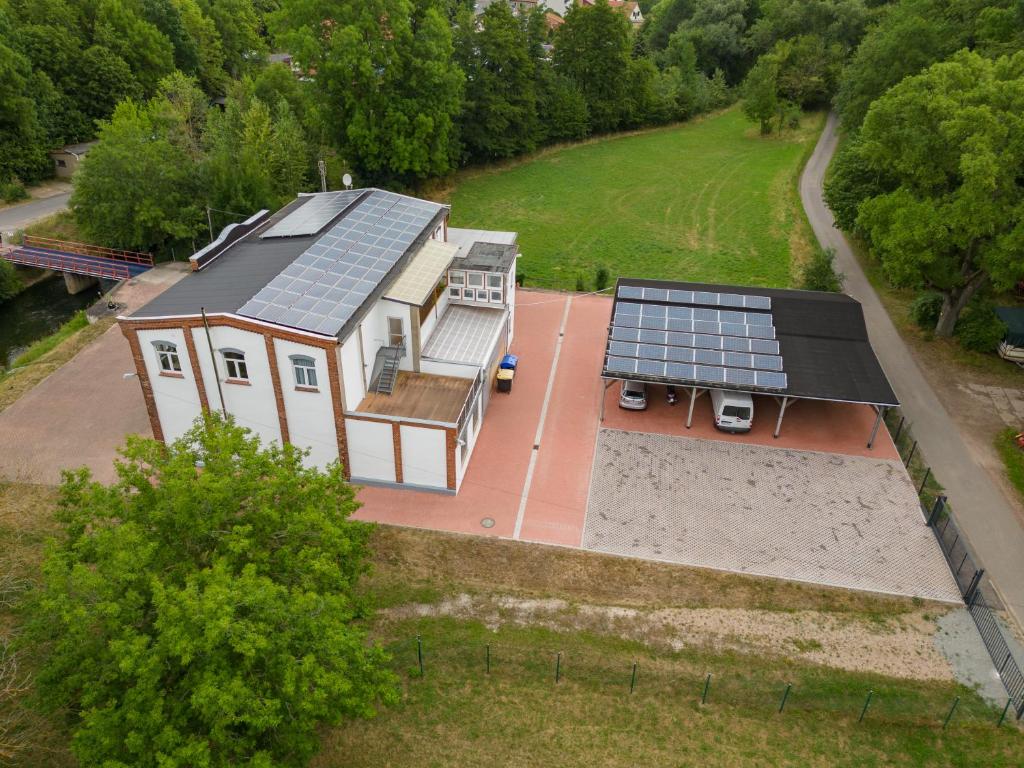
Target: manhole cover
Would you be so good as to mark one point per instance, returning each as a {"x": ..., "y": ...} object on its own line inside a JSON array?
[{"x": 487, "y": 522}]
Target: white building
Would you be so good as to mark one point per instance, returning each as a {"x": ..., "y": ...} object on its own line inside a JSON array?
[{"x": 355, "y": 324}]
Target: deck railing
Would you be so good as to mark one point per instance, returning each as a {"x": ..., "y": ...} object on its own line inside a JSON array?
[
  {"x": 85, "y": 249},
  {"x": 64, "y": 262}
]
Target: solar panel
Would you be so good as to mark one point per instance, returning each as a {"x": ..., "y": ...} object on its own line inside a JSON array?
[
  {"x": 314, "y": 214},
  {"x": 328, "y": 282},
  {"x": 770, "y": 380}
]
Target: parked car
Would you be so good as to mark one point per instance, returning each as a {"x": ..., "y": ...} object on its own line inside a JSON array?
[
  {"x": 633, "y": 396},
  {"x": 734, "y": 411}
]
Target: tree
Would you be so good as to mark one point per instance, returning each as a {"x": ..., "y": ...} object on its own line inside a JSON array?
[
  {"x": 561, "y": 108},
  {"x": 911, "y": 35},
  {"x": 23, "y": 141},
  {"x": 952, "y": 138},
  {"x": 717, "y": 29},
  {"x": 103, "y": 79},
  {"x": 851, "y": 180},
  {"x": 663, "y": 20},
  {"x": 807, "y": 70},
  {"x": 146, "y": 49},
  {"x": 207, "y": 617},
  {"x": 760, "y": 93},
  {"x": 139, "y": 186},
  {"x": 386, "y": 79},
  {"x": 592, "y": 49},
  {"x": 835, "y": 22},
  {"x": 238, "y": 29},
  {"x": 499, "y": 113},
  {"x": 10, "y": 281}
]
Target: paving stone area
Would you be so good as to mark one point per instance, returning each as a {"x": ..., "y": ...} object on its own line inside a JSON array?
[
  {"x": 846, "y": 521},
  {"x": 1007, "y": 403}
]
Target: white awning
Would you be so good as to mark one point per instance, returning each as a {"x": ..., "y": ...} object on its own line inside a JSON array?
[{"x": 422, "y": 273}]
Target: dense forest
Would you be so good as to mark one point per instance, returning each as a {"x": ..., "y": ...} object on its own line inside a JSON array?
[{"x": 195, "y": 117}]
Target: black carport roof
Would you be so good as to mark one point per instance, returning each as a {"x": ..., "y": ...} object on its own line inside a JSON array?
[{"x": 822, "y": 339}]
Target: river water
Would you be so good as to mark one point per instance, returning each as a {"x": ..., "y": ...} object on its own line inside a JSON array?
[{"x": 36, "y": 312}]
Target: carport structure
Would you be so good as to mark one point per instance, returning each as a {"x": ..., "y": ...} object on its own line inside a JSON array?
[{"x": 789, "y": 344}]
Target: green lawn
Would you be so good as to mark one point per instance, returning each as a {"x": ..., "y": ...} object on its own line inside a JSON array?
[{"x": 709, "y": 200}]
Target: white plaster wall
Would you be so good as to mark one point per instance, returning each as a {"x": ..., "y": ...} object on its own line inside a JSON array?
[
  {"x": 351, "y": 373},
  {"x": 430, "y": 323},
  {"x": 439, "y": 368},
  {"x": 374, "y": 328},
  {"x": 310, "y": 415},
  {"x": 253, "y": 406},
  {"x": 423, "y": 457},
  {"x": 371, "y": 450},
  {"x": 177, "y": 399},
  {"x": 510, "y": 298}
]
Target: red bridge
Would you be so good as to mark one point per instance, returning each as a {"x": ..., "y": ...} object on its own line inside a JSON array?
[{"x": 77, "y": 258}]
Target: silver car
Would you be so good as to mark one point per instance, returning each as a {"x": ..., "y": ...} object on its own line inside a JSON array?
[{"x": 633, "y": 396}]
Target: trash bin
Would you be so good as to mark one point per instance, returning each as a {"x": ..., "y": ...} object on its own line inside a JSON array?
[
  {"x": 505, "y": 376},
  {"x": 509, "y": 362}
]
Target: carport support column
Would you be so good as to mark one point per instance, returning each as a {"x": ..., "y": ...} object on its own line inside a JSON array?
[
  {"x": 874, "y": 429},
  {"x": 693, "y": 399},
  {"x": 782, "y": 412}
]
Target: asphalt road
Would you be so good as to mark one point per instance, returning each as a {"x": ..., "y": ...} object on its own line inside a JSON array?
[
  {"x": 21, "y": 215},
  {"x": 984, "y": 514}
]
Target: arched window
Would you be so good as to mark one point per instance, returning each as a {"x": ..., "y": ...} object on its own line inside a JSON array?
[
  {"x": 234, "y": 361},
  {"x": 304, "y": 369},
  {"x": 167, "y": 356}
]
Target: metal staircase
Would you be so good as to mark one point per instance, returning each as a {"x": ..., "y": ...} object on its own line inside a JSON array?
[{"x": 385, "y": 369}]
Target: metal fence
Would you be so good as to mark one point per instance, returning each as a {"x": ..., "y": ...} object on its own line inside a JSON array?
[
  {"x": 981, "y": 599},
  {"x": 512, "y": 662}
]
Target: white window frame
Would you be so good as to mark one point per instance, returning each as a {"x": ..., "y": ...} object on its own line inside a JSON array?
[
  {"x": 454, "y": 292},
  {"x": 495, "y": 297},
  {"x": 167, "y": 357},
  {"x": 495, "y": 280},
  {"x": 457, "y": 278},
  {"x": 235, "y": 364},
  {"x": 475, "y": 280},
  {"x": 400, "y": 334},
  {"x": 304, "y": 371}
]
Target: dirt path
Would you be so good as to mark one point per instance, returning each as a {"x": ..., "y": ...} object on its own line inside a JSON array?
[{"x": 902, "y": 646}]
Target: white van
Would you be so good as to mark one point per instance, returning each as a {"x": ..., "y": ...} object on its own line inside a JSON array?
[{"x": 734, "y": 411}]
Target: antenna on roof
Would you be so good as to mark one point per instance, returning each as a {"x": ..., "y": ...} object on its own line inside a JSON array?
[
  {"x": 322, "y": 167},
  {"x": 347, "y": 180}
]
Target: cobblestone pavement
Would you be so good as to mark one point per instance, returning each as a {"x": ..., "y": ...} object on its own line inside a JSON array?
[{"x": 845, "y": 521}]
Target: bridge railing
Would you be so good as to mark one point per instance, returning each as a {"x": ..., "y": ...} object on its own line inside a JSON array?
[
  {"x": 85, "y": 249},
  {"x": 66, "y": 262}
]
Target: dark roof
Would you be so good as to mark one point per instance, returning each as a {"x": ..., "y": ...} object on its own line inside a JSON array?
[
  {"x": 77, "y": 149},
  {"x": 823, "y": 342},
  {"x": 234, "y": 277},
  {"x": 487, "y": 257},
  {"x": 1013, "y": 317}
]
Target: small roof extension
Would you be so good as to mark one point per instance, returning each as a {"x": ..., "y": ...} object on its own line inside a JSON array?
[{"x": 488, "y": 257}]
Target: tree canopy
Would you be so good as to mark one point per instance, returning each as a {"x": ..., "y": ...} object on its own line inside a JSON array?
[
  {"x": 952, "y": 141},
  {"x": 206, "y": 616}
]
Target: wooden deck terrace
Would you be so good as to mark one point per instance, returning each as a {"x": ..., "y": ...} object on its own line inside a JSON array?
[{"x": 421, "y": 396}]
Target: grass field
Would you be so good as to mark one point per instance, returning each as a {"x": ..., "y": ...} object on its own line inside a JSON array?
[{"x": 709, "y": 200}]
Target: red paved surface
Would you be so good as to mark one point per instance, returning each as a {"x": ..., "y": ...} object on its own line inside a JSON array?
[
  {"x": 809, "y": 425},
  {"x": 556, "y": 505},
  {"x": 497, "y": 469}
]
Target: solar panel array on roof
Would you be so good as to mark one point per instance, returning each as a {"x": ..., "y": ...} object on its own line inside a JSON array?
[
  {"x": 707, "y": 298},
  {"x": 313, "y": 215},
  {"x": 331, "y": 279},
  {"x": 681, "y": 336}
]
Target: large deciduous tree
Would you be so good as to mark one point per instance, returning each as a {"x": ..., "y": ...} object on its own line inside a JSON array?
[
  {"x": 592, "y": 49},
  {"x": 952, "y": 140},
  {"x": 207, "y": 617},
  {"x": 386, "y": 78},
  {"x": 499, "y": 112}
]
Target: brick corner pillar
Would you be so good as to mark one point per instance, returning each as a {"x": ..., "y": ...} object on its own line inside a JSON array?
[
  {"x": 396, "y": 439},
  {"x": 450, "y": 448},
  {"x": 132, "y": 336},
  {"x": 275, "y": 379},
  {"x": 334, "y": 381}
]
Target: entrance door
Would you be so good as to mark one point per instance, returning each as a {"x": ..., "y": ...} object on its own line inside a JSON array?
[{"x": 396, "y": 332}]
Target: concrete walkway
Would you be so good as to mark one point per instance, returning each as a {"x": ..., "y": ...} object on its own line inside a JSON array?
[{"x": 985, "y": 516}]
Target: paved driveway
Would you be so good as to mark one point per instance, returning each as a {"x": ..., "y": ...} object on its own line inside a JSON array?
[
  {"x": 984, "y": 514},
  {"x": 843, "y": 521}
]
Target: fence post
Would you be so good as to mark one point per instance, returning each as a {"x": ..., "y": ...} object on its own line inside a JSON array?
[
  {"x": 632, "y": 680},
  {"x": 899, "y": 431},
  {"x": 1003, "y": 716},
  {"x": 558, "y": 667},
  {"x": 974, "y": 587},
  {"x": 864, "y": 711},
  {"x": 419, "y": 653},
  {"x": 951, "y": 711},
  {"x": 488, "y": 658},
  {"x": 937, "y": 507},
  {"x": 785, "y": 695},
  {"x": 707, "y": 684},
  {"x": 910, "y": 456},
  {"x": 927, "y": 474}
]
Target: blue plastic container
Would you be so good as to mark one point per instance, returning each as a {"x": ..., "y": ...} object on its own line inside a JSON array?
[{"x": 509, "y": 361}]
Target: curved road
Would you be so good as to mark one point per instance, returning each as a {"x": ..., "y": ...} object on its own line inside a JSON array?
[
  {"x": 21, "y": 215},
  {"x": 984, "y": 515}
]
